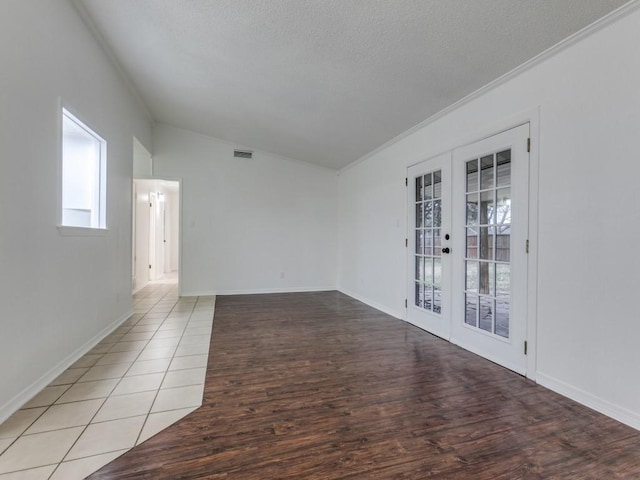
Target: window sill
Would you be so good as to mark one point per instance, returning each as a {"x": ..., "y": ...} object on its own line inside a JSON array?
[{"x": 67, "y": 231}]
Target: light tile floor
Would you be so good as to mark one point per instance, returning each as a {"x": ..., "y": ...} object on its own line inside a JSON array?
[{"x": 143, "y": 377}]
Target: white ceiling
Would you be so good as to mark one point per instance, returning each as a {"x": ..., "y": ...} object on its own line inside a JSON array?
[{"x": 323, "y": 81}]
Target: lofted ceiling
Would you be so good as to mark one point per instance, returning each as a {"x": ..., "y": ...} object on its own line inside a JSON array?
[{"x": 322, "y": 81}]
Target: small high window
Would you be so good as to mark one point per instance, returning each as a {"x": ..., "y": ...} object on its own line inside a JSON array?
[{"x": 84, "y": 171}]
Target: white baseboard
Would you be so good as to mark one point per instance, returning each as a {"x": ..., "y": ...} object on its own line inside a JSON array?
[
  {"x": 258, "y": 291},
  {"x": 137, "y": 289},
  {"x": 605, "y": 407},
  {"x": 32, "y": 390},
  {"x": 371, "y": 303}
]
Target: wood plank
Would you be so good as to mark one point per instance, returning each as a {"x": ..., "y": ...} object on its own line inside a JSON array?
[{"x": 320, "y": 386}]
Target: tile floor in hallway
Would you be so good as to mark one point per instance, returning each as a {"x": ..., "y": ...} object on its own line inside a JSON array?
[{"x": 140, "y": 379}]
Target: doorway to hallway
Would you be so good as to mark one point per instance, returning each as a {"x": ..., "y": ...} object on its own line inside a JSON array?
[{"x": 156, "y": 231}]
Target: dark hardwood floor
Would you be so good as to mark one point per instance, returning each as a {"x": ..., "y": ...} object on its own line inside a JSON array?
[{"x": 320, "y": 386}]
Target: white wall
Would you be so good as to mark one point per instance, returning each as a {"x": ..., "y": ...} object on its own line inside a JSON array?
[
  {"x": 260, "y": 225},
  {"x": 142, "y": 161},
  {"x": 589, "y": 214},
  {"x": 58, "y": 293}
]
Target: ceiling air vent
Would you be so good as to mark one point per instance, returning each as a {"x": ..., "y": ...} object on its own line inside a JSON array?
[{"x": 243, "y": 153}]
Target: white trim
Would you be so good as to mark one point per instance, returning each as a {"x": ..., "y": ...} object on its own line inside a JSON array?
[
  {"x": 134, "y": 291},
  {"x": 587, "y": 399},
  {"x": 66, "y": 111},
  {"x": 180, "y": 224},
  {"x": 60, "y": 141},
  {"x": 533, "y": 117},
  {"x": 596, "y": 26},
  {"x": 13, "y": 405},
  {"x": 68, "y": 231},
  {"x": 258, "y": 291},
  {"x": 443, "y": 335},
  {"x": 376, "y": 305}
]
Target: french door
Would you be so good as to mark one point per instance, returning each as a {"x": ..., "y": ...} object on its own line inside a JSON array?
[
  {"x": 468, "y": 267},
  {"x": 429, "y": 304}
]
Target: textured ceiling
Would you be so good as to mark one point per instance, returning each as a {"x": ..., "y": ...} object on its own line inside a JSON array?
[{"x": 323, "y": 81}]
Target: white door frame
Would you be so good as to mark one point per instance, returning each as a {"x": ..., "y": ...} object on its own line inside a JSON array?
[{"x": 180, "y": 220}]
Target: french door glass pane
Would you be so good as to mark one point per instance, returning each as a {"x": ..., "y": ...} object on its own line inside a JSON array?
[
  {"x": 472, "y": 176},
  {"x": 471, "y": 309},
  {"x": 472, "y": 209},
  {"x": 502, "y": 319},
  {"x": 503, "y": 281},
  {"x": 485, "y": 322},
  {"x": 437, "y": 213},
  {"x": 503, "y": 176},
  {"x": 437, "y": 285},
  {"x": 428, "y": 208},
  {"x": 437, "y": 300},
  {"x": 486, "y": 172},
  {"x": 486, "y": 208},
  {"x": 488, "y": 243},
  {"x": 503, "y": 248},
  {"x": 486, "y": 278},
  {"x": 428, "y": 189},
  {"x": 428, "y": 271},
  {"x": 420, "y": 242},
  {"x": 437, "y": 184},
  {"x": 437, "y": 272},
  {"x": 428, "y": 297},
  {"x": 472, "y": 277},
  {"x": 472, "y": 243},
  {"x": 428, "y": 214},
  {"x": 437, "y": 242},
  {"x": 428, "y": 242},
  {"x": 419, "y": 269},
  {"x": 503, "y": 206}
]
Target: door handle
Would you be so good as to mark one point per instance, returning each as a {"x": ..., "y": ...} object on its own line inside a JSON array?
[{"x": 446, "y": 250}]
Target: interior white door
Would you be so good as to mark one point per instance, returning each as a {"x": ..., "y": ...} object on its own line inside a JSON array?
[
  {"x": 160, "y": 236},
  {"x": 489, "y": 253},
  {"x": 134, "y": 239},
  {"x": 428, "y": 245},
  {"x": 152, "y": 236}
]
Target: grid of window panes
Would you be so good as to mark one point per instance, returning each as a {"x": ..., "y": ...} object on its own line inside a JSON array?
[
  {"x": 488, "y": 243},
  {"x": 428, "y": 251}
]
